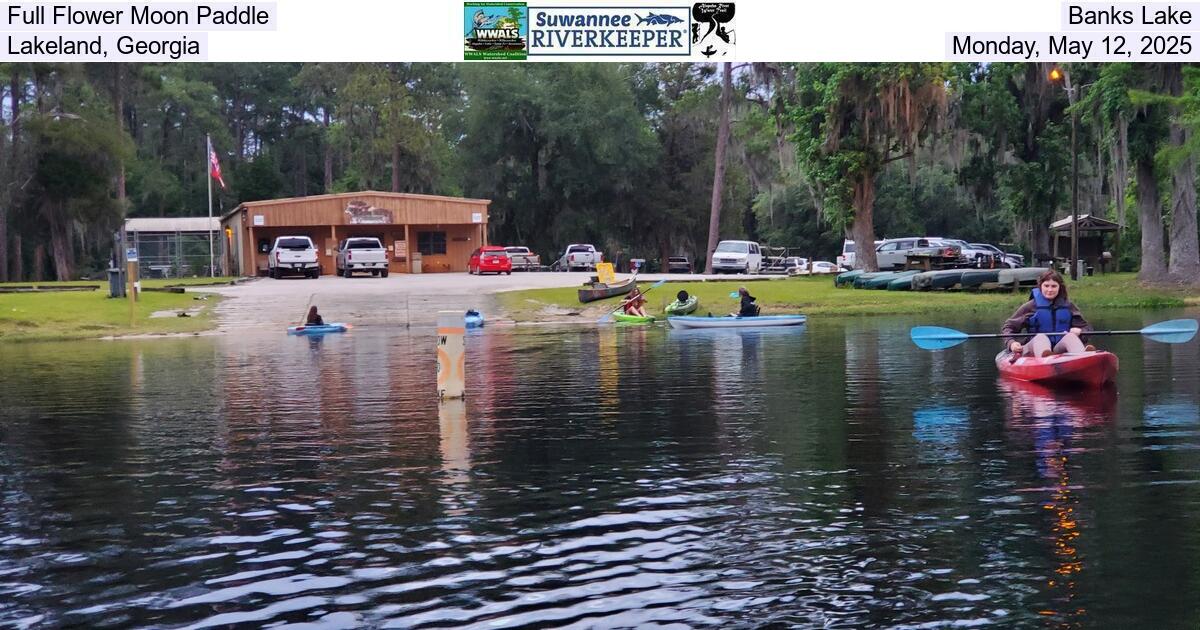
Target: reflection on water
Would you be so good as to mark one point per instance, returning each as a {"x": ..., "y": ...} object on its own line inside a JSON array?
[{"x": 615, "y": 476}]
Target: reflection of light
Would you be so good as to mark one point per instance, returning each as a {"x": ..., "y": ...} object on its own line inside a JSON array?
[{"x": 939, "y": 424}]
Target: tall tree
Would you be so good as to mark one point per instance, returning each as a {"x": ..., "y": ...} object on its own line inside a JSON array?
[
  {"x": 857, "y": 119},
  {"x": 714, "y": 217}
]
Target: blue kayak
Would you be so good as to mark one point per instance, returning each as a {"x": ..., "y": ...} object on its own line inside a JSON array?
[
  {"x": 736, "y": 322},
  {"x": 473, "y": 319},
  {"x": 323, "y": 329}
]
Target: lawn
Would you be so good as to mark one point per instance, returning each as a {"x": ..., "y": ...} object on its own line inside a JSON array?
[
  {"x": 818, "y": 296},
  {"x": 92, "y": 314}
]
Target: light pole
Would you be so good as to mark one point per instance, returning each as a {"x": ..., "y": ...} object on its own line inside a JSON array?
[{"x": 1056, "y": 76}]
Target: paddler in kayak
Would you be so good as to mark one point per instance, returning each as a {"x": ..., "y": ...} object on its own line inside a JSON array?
[
  {"x": 1055, "y": 322},
  {"x": 314, "y": 318},
  {"x": 635, "y": 304},
  {"x": 748, "y": 307}
]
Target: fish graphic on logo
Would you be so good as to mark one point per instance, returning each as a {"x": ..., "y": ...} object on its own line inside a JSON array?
[{"x": 657, "y": 19}]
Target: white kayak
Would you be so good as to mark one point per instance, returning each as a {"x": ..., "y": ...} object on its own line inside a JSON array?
[{"x": 737, "y": 322}]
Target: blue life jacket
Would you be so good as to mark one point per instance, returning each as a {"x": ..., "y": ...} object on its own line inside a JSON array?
[{"x": 1049, "y": 317}]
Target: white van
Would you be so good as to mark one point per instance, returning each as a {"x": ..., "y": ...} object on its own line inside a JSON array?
[
  {"x": 737, "y": 257},
  {"x": 845, "y": 260}
]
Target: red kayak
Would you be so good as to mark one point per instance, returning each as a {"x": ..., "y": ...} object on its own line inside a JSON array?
[{"x": 1086, "y": 368}]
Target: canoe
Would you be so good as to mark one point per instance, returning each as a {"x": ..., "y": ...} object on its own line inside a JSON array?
[
  {"x": 902, "y": 284},
  {"x": 862, "y": 280},
  {"x": 690, "y": 321},
  {"x": 473, "y": 319},
  {"x": 683, "y": 308},
  {"x": 316, "y": 330},
  {"x": 1085, "y": 368},
  {"x": 846, "y": 279},
  {"x": 633, "y": 319},
  {"x": 973, "y": 279},
  {"x": 884, "y": 282},
  {"x": 937, "y": 279},
  {"x": 593, "y": 291},
  {"x": 1024, "y": 275}
]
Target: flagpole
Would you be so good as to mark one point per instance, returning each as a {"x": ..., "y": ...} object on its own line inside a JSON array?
[{"x": 208, "y": 169}]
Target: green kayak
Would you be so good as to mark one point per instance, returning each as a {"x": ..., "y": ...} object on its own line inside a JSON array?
[
  {"x": 683, "y": 308},
  {"x": 847, "y": 279},
  {"x": 632, "y": 319},
  {"x": 863, "y": 281},
  {"x": 902, "y": 283},
  {"x": 885, "y": 282}
]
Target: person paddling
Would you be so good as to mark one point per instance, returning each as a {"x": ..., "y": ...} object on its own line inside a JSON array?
[
  {"x": 748, "y": 306},
  {"x": 314, "y": 318},
  {"x": 1055, "y": 322},
  {"x": 635, "y": 304}
]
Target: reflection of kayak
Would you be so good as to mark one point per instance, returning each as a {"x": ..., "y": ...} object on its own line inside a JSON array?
[
  {"x": 1085, "y": 368},
  {"x": 683, "y": 308},
  {"x": 473, "y": 319},
  {"x": 316, "y": 330},
  {"x": 1084, "y": 406},
  {"x": 737, "y": 322},
  {"x": 847, "y": 279},
  {"x": 632, "y": 319}
]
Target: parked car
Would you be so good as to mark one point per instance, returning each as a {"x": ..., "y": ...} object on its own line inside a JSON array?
[
  {"x": 679, "y": 264},
  {"x": 1013, "y": 261},
  {"x": 523, "y": 259},
  {"x": 580, "y": 256},
  {"x": 818, "y": 267},
  {"x": 893, "y": 253},
  {"x": 737, "y": 257},
  {"x": 490, "y": 259},
  {"x": 293, "y": 255},
  {"x": 976, "y": 256},
  {"x": 846, "y": 259},
  {"x": 361, "y": 253},
  {"x": 794, "y": 262}
]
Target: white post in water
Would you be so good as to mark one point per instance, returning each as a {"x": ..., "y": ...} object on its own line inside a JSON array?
[{"x": 451, "y": 371}]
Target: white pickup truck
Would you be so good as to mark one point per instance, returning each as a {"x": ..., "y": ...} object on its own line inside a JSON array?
[
  {"x": 580, "y": 256},
  {"x": 293, "y": 255},
  {"x": 361, "y": 253},
  {"x": 523, "y": 259}
]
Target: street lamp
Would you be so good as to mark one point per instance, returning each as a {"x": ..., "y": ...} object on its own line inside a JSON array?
[{"x": 1057, "y": 76}]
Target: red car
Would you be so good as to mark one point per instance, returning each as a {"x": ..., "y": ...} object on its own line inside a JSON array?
[{"x": 490, "y": 259}]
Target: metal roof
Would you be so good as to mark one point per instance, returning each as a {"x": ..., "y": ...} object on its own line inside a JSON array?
[
  {"x": 1086, "y": 222},
  {"x": 173, "y": 224}
]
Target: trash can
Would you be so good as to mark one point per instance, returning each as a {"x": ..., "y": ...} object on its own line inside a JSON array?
[
  {"x": 416, "y": 262},
  {"x": 116, "y": 288}
]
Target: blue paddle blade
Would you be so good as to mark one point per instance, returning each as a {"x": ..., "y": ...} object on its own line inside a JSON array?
[
  {"x": 1173, "y": 331},
  {"x": 936, "y": 337}
]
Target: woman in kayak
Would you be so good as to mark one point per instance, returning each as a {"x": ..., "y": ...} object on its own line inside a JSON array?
[
  {"x": 635, "y": 304},
  {"x": 314, "y": 318},
  {"x": 748, "y": 307},
  {"x": 1055, "y": 322}
]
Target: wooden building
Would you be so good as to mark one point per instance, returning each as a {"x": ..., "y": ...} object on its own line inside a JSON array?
[{"x": 422, "y": 233}]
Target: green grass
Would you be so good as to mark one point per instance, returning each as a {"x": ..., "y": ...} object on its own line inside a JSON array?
[
  {"x": 817, "y": 296},
  {"x": 92, "y": 314}
]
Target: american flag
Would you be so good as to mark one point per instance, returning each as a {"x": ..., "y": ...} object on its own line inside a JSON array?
[{"x": 215, "y": 167}]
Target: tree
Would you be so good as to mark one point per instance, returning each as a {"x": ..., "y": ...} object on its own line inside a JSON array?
[
  {"x": 714, "y": 219},
  {"x": 853, "y": 120}
]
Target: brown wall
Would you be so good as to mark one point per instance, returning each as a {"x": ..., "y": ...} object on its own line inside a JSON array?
[{"x": 323, "y": 219}]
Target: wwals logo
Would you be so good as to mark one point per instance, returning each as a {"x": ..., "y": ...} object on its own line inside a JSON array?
[{"x": 496, "y": 30}]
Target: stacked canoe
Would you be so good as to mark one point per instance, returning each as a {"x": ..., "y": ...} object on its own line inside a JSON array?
[{"x": 970, "y": 279}]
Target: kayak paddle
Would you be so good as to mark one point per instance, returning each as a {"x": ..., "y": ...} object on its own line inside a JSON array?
[
  {"x": 938, "y": 338},
  {"x": 608, "y": 316}
]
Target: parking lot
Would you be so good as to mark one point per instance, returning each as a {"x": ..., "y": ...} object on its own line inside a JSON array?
[{"x": 398, "y": 300}]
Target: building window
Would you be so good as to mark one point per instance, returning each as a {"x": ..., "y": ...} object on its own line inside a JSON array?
[{"x": 430, "y": 243}]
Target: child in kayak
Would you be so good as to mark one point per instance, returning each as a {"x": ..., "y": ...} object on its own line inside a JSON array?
[
  {"x": 1056, "y": 323},
  {"x": 635, "y": 304},
  {"x": 748, "y": 307},
  {"x": 314, "y": 318}
]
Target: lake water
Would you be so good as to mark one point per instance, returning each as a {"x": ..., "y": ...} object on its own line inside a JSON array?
[{"x": 595, "y": 477}]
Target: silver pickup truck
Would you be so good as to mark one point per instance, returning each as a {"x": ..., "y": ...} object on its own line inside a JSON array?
[{"x": 365, "y": 254}]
